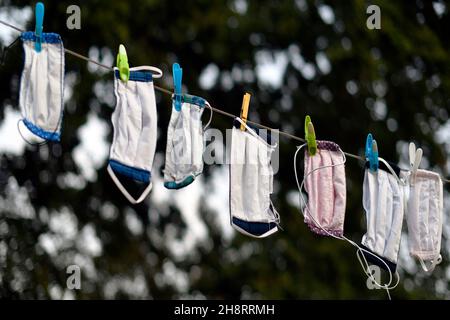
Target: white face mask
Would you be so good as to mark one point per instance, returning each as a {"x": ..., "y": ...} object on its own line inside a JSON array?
[
  {"x": 251, "y": 183},
  {"x": 424, "y": 218},
  {"x": 383, "y": 201},
  {"x": 184, "y": 150},
  {"x": 42, "y": 86},
  {"x": 135, "y": 123}
]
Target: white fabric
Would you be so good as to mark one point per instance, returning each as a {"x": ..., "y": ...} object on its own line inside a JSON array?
[
  {"x": 42, "y": 85},
  {"x": 424, "y": 217},
  {"x": 251, "y": 179},
  {"x": 383, "y": 201},
  {"x": 135, "y": 127},
  {"x": 184, "y": 150}
]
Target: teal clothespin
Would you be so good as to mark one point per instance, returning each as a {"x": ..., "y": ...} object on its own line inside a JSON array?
[
  {"x": 177, "y": 77},
  {"x": 372, "y": 152},
  {"x": 310, "y": 136},
  {"x": 39, "y": 11},
  {"x": 122, "y": 64}
]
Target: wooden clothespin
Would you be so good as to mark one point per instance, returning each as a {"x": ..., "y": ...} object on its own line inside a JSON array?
[{"x": 244, "y": 110}]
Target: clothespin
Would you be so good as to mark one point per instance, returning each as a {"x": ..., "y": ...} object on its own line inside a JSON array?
[
  {"x": 39, "y": 11},
  {"x": 415, "y": 157},
  {"x": 372, "y": 152},
  {"x": 122, "y": 64},
  {"x": 244, "y": 110},
  {"x": 310, "y": 136},
  {"x": 177, "y": 77}
]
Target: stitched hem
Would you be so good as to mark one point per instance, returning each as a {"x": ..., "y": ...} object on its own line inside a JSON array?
[
  {"x": 318, "y": 230},
  {"x": 134, "y": 173},
  {"x": 140, "y": 76},
  {"x": 46, "y": 37},
  {"x": 47, "y": 135},
  {"x": 178, "y": 185},
  {"x": 254, "y": 229}
]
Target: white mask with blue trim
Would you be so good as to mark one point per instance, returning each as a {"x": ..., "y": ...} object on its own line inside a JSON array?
[
  {"x": 184, "y": 150},
  {"x": 251, "y": 183},
  {"x": 42, "y": 86},
  {"x": 135, "y": 129}
]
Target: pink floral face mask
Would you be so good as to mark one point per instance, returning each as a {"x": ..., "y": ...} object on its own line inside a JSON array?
[{"x": 324, "y": 181}]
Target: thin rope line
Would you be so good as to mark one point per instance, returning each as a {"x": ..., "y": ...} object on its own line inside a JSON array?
[{"x": 166, "y": 91}]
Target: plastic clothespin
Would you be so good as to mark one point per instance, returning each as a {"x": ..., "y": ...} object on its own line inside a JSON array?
[
  {"x": 415, "y": 157},
  {"x": 39, "y": 11},
  {"x": 122, "y": 64},
  {"x": 372, "y": 152},
  {"x": 244, "y": 110},
  {"x": 177, "y": 77},
  {"x": 310, "y": 136}
]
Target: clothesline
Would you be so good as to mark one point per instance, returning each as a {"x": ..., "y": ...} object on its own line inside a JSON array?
[{"x": 166, "y": 91}]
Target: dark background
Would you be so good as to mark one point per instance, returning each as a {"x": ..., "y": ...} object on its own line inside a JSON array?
[{"x": 392, "y": 82}]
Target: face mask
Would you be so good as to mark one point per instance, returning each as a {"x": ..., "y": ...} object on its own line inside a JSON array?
[
  {"x": 324, "y": 181},
  {"x": 135, "y": 124},
  {"x": 184, "y": 151},
  {"x": 42, "y": 86},
  {"x": 383, "y": 201},
  {"x": 251, "y": 183},
  {"x": 424, "y": 217}
]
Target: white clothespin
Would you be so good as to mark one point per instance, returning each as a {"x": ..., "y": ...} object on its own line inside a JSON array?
[{"x": 415, "y": 157}]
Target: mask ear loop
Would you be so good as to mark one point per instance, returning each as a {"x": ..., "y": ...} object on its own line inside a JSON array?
[
  {"x": 253, "y": 133},
  {"x": 433, "y": 264},
  {"x": 5, "y": 51},
  {"x": 37, "y": 144},
  {"x": 125, "y": 192},
  {"x": 156, "y": 72},
  {"x": 210, "y": 115},
  {"x": 359, "y": 249}
]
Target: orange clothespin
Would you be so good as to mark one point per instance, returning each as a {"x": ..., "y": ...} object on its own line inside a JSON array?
[{"x": 244, "y": 110}]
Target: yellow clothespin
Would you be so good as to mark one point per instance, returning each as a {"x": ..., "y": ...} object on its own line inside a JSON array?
[{"x": 244, "y": 110}]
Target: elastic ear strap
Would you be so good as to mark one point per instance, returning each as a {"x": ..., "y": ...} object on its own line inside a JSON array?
[
  {"x": 433, "y": 265},
  {"x": 253, "y": 133},
  {"x": 210, "y": 115},
  {"x": 125, "y": 192},
  {"x": 156, "y": 72},
  {"x": 391, "y": 170},
  {"x": 37, "y": 144}
]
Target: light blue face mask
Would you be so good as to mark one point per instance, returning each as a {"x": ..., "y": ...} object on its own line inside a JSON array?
[
  {"x": 42, "y": 86},
  {"x": 184, "y": 150}
]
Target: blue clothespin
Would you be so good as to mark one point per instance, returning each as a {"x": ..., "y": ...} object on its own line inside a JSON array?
[
  {"x": 372, "y": 152},
  {"x": 177, "y": 76},
  {"x": 39, "y": 22}
]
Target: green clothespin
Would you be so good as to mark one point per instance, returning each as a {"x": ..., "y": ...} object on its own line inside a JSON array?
[
  {"x": 310, "y": 136},
  {"x": 122, "y": 64}
]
